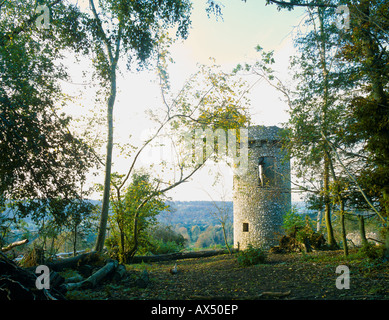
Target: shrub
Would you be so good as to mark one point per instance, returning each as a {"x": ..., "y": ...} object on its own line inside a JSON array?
[
  {"x": 162, "y": 247},
  {"x": 300, "y": 234},
  {"x": 165, "y": 240},
  {"x": 292, "y": 221},
  {"x": 371, "y": 252},
  {"x": 251, "y": 256}
]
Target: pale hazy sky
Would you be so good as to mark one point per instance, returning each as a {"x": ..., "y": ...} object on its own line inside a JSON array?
[{"x": 230, "y": 41}]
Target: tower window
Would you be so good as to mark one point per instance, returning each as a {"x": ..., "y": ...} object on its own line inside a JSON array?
[
  {"x": 266, "y": 171},
  {"x": 261, "y": 163},
  {"x": 245, "y": 227}
]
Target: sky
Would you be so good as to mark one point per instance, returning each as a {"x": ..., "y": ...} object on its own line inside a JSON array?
[{"x": 230, "y": 40}]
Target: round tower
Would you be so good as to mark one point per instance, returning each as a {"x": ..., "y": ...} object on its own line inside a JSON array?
[{"x": 262, "y": 194}]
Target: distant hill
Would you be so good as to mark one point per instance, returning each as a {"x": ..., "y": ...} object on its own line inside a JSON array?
[
  {"x": 200, "y": 212},
  {"x": 186, "y": 212},
  {"x": 194, "y": 212}
]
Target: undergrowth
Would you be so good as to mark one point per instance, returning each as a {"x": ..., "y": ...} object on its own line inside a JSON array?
[{"x": 251, "y": 256}]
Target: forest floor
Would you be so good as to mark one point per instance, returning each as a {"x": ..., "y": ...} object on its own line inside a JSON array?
[{"x": 295, "y": 276}]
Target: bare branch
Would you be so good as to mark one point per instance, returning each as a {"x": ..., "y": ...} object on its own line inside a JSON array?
[
  {"x": 353, "y": 178},
  {"x": 13, "y": 245}
]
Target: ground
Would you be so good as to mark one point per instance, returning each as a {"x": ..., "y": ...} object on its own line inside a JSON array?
[{"x": 286, "y": 276}]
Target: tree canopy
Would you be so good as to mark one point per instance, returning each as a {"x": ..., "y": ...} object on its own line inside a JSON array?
[{"x": 40, "y": 157}]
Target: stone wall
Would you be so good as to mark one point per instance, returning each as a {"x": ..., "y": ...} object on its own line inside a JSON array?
[{"x": 262, "y": 195}]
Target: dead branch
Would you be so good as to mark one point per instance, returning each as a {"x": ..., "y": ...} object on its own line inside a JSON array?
[
  {"x": 20, "y": 284},
  {"x": 376, "y": 240},
  {"x": 13, "y": 245}
]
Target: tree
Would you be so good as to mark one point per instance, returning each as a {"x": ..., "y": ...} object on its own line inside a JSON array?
[
  {"x": 195, "y": 232},
  {"x": 220, "y": 97},
  {"x": 311, "y": 109},
  {"x": 130, "y": 221},
  {"x": 42, "y": 162},
  {"x": 316, "y": 61},
  {"x": 132, "y": 31},
  {"x": 163, "y": 239},
  {"x": 222, "y": 215},
  {"x": 362, "y": 140},
  {"x": 221, "y": 211},
  {"x": 80, "y": 221},
  {"x": 365, "y": 47}
]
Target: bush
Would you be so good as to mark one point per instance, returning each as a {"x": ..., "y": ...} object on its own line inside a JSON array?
[
  {"x": 292, "y": 221},
  {"x": 371, "y": 252},
  {"x": 251, "y": 256},
  {"x": 300, "y": 234},
  {"x": 162, "y": 247},
  {"x": 164, "y": 240}
]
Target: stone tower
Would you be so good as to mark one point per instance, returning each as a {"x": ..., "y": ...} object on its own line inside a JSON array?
[{"x": 261, "y": 195}]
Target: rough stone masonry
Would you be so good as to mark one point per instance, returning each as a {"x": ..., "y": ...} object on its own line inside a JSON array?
[{"x": 262, "y": 195}]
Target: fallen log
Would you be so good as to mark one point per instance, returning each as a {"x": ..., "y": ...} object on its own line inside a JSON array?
[
  {"x": 202, "y": 254},
  {"x": 119, "y": 273},
  {"x": 73, "y": 262},
  {"x": 179, "y": 256},
  {"x": 13, "y": 245},
  {"x": 95, "y": 278},
  {"x": 101, "y": 274},
  {"x": 75, "y": 279},
  {"x": 155, "y": 258}
]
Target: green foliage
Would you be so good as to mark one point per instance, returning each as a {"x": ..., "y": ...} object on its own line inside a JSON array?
[
  {"x": 223, "y": 104},
  {"x": 163, "y": 247},
  {"x": 211, "y": 236},
  {"x": 195, "y": 232},
  {"x": 292, "y": 221},
  {"x": 371, "y": 252},
  {"x": 164, "y": 240},
  {"x": 133, "y": 214},
  {"x": 134, "y": 27},
  {"x": 305, "y": 232},
  {"x": 299, "y": 228},
  {"x": 40, "y": 158},
  {"x": 368, "y": 121},
  {"x": 72, "y": 233},
  {"x": 251, "y": 256}
]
